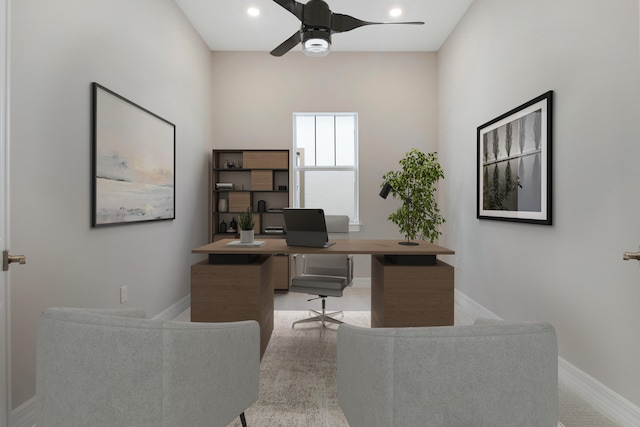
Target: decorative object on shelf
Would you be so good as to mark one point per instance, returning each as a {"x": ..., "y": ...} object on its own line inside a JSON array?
[
  {"x": 224, "y": 186},
  {"x": 222, "y": 228},
  {"x": 514, "y": 164},
  {"x": 246, "y": 226},
  {"x": 223, "y": 205},
  {"x": 282, "y": 188},
  {"x": 262, "y": 206},
  {"x": 233, "y": 225},
  {"x": 133, "y": 162},
  {"x": 419, "y": 215},
  {"x": 230, "y": 165}
]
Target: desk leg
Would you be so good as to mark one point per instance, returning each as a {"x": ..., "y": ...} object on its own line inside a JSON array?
[
  {"x": 411, "y": 295},
  {"x": 230, "y": 293}
]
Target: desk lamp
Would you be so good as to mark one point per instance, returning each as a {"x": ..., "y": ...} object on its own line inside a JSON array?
[{"x": 384, "y": 193}]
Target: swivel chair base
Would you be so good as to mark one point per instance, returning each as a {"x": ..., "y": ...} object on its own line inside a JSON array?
[{"x": 321, "y": 316}]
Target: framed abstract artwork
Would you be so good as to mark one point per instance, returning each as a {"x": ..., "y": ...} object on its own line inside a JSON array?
[
  {"x": 514, "y": 164},
  {"x": 133, "y": 162}
]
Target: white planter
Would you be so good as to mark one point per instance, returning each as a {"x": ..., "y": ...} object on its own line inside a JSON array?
[{"x": 246, "y": 236}]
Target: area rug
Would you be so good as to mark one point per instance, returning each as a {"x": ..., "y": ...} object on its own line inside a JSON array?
[{"x": 298, "y": 374}]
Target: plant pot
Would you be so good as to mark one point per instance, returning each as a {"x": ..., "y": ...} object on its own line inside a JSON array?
[{"x": 246, "y": 236}]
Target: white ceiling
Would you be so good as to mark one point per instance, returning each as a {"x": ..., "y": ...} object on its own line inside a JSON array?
[{"x": 226, "y": 26}]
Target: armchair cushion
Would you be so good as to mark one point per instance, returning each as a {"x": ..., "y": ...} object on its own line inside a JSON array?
[
  {"x": 493, "y": 374},
  {"x": 107, "y": 368}
]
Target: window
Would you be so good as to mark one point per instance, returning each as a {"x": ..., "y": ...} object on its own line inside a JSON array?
[{"x": 325, "y": 171}]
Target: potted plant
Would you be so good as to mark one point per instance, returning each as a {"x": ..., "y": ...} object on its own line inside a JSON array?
[
  {"x": 415, "y": 184},
  {"x": 246, "y": 226}
]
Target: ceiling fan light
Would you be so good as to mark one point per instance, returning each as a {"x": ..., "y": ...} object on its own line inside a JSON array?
[{"x": 316, "y": 47}]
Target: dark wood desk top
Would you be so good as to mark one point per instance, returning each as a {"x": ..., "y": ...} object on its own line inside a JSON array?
[{"x": 372, "y": 247}]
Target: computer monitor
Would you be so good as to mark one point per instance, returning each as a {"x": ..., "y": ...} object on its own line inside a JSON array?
[{"x": 306, "y": 227}]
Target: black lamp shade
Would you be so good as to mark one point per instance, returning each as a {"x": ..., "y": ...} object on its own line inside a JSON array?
[{"x": 385, "y": 190}]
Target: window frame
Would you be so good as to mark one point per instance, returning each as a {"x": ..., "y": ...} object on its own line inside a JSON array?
[{"x": 355, "y": 168}]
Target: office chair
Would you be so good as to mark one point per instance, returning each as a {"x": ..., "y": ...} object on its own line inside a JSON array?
[
  {"x": 106, "y": 368},
  {"x": 325, "y": 275}
]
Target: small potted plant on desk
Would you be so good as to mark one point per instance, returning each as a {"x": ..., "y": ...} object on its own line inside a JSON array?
[{"x": 246, "y": 226}]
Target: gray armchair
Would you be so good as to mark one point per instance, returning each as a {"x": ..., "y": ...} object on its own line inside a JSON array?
[
  {"x": 107, "y": 368},
  {"x": 488, "y": 374},
  {"x": 325, "y": 275}
]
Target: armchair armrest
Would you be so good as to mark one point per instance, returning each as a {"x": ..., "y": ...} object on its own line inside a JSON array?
[{"x": 211, "y": 371}]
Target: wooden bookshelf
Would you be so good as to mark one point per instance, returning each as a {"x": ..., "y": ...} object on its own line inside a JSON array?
[{"x": 249, "y": 177}]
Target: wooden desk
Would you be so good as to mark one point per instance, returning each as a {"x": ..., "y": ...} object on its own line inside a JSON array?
[
  {"x": 372, "y": 247},
  {"x": 401, "y": 294}
]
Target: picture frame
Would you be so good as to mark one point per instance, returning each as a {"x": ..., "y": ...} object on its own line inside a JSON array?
[
  {"x": 514, "y": 168},
  {"x": 133, "y": 162}
]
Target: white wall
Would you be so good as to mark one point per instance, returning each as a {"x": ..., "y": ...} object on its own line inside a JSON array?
[
  {"x": 146, "y": 51},
  {"x": 394, "y": 94},
  {"x": 501, "y": 55}
]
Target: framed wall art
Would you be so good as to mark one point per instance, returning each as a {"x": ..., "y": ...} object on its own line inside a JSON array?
[
  {"x": 133, "y": 162},
  {"x": 514, "y": 164}
]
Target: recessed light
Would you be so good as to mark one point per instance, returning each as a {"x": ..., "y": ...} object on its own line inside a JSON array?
[
  {"x": 253, "y": 11},
  {"x": 395, "y": 12}
]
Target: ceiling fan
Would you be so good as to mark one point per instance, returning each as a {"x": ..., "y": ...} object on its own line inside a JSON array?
[{"x": 318, "y": 24}]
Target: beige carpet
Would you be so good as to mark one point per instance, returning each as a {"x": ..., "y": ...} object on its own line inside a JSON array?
[
  {"x": 298, "y": 388},
  {"x": 297, "y": 375}
]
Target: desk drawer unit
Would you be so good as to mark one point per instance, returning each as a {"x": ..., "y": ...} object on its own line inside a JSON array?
[
  {"x": 281, "y": 272},
  {"x": 232, "y": 292},
  {"x": 411, "y": 295}
]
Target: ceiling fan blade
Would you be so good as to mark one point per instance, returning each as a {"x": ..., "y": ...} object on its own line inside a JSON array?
[
  {"x": 403, "y": 23},
  {"x": 341, "y": 23},
  {"x": 287, "y": 45},
  {"x": 292, "y": 6}
]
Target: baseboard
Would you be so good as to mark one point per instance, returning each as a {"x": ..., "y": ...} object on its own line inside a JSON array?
[
  {"x": 597, "y": 394},
  {"x": 173, "y": 311},
  {"x": 361, "y": 282},
  {"x": 588, "y": 388},
  {"x": 24, "y": 415},
  {"x": 475, "y": 309}
]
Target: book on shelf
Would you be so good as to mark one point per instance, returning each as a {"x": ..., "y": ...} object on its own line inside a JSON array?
[
  {"x": 274, "y": 230},
  {"x": 224, "y": 186}
]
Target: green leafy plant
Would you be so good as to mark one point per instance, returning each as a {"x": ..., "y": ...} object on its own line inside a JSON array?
[
  {"x": 415, "y": 184},
  {"x": 246, "y": 220}
]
